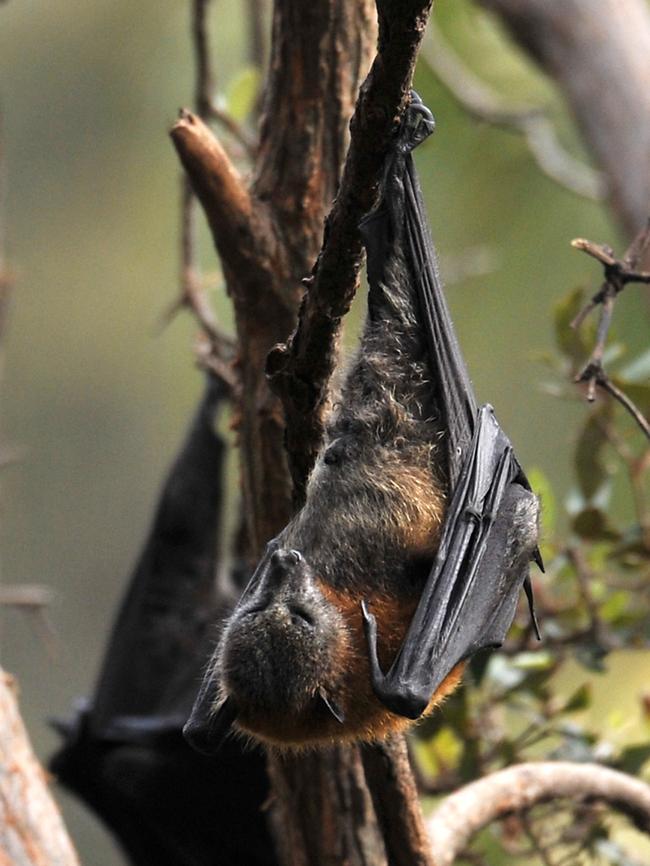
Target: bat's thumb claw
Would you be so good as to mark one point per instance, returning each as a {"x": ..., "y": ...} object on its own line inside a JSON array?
[
  {"x": 367, "y": 616},
  {"x": 537, "y": 559}
]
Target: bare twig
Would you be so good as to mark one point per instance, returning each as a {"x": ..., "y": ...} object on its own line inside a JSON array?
[
  {"x": 618, "y": 274},
  {"x": 300, "y": 370},
  {"x": 204, "y": 86},
  {"x": 26, "y": 595},
  {"x": 517, "y": 789},
  {"x": 217, "y": 355},
  {"x": 534, "y": 124},
  {"x": 241, "y": 226},
  {"x": 256, "y": 41}
]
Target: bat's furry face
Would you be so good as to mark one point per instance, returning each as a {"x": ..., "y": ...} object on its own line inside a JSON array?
[{"x": 293, "y": 661}]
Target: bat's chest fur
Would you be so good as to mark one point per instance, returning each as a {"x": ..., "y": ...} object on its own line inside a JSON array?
[{"x": 376, "y": 497}]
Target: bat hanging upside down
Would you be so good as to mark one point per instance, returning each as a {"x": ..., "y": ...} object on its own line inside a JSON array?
[{"x": 417, "y": 531}]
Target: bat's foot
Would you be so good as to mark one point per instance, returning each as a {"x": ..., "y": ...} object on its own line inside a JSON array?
[{"x": 418, "y": 124}]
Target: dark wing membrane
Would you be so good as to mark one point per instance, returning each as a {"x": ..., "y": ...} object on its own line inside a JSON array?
[
  {"x": 470, "y": 597},
  {"x": 471, "y": 594},
  {"x": 160, "y": 637}
]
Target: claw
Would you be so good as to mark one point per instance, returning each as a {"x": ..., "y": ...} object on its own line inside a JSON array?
[
  {"x": 332, "y": 706},
  {"x": 528, "y": 589},
  {"x": 370, "y": 629},
  {"x": 537, "y": 558}
]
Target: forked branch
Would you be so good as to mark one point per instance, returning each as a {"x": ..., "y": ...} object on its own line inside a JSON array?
[{"x": 618, "y": 274}]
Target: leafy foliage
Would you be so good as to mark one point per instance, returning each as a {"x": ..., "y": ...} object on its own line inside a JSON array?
[{"x": 594, "y": 598}]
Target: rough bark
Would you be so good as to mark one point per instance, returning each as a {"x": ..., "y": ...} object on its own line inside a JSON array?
[
  {"x": 599, "y": 54},
  {"x": 267, "y": 236},
  {"x": 324, "y": 815},
  {"x": 394, "y": 792},
  {"x": 31, "y": 830},
  {"x": 519, "y": 788}
]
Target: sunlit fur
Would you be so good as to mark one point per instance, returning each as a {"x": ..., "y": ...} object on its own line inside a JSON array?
[{"x": 368, "y": 530}]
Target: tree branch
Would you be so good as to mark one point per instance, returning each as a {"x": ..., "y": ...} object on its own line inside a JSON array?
[
  {"x": 519, "y": 788},
  {"x": 599, "y": 54},
  {"x": 241, "y": 226},
  {"x": 31, "y": 830},
  {"x": 618, "y": 274},
  {"x": 395, "y": 797},
  {"x": 301, "y": 369}
]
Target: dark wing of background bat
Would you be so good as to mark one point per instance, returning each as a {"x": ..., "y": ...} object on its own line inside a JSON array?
[
  {"x": 124, "y": 753},
  {"x": 471, "y": 594}
]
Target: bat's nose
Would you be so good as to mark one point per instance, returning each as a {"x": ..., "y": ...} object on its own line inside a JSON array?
[{"x": 286, "y": 558}]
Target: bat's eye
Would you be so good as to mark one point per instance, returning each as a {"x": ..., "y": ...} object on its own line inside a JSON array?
[{"x": 332, "y": 457}]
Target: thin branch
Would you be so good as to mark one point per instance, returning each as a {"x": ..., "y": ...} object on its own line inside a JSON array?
[
  {"x": 584, "y": 579},
  {"x": 536, "y": 844},
  {"x": 26, "y": 595},
  {"x": 480, "y": 101},
  {"x": 204, "y": 86},
  {"x": 204, "y": 81},
  {"x": 517, "y": 789},
  {"x": 618, "y": 274},
  {"x": 241, "y": 226},
  {"x": 218, "y": 353},
  {"x": 606, "y": 384},
  {"x": 256, "y": 41},
  {"x": 301, "y": 369}
]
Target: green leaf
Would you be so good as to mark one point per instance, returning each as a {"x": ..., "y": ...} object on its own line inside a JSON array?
[
  {"x": 615, "y": 606},
  {"x": 570, "y": 341},
  {"x": 579, "y": 700},
  {"x": 533, "y": 661},
  {"x": 242, "y": 93},
  {"x": 634, "y": 757},
  {"x": 593, "y": 524},
  {"x": 590, "y": 467},
  {"x": 638, "y": 370}
]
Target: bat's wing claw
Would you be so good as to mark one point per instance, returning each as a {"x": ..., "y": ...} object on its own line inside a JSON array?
[
  {"x": 370, "y": 629},
  {"x": 528, "y": 589},
  {"x": 537, "y": 559}
]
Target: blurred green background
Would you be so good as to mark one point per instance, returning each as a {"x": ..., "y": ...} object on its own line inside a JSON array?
[{"x": 93, "y": 392}]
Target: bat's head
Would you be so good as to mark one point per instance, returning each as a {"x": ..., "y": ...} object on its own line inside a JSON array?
[
  {"x": 291, "y": 668},
  {"x": 278, "y": 659}
]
